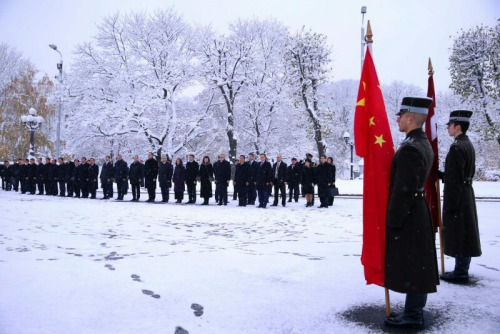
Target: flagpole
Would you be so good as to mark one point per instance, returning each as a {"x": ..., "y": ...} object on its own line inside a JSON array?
[
  {"x": 440, "y": 222},
  {"x": 369, "y": 42}
]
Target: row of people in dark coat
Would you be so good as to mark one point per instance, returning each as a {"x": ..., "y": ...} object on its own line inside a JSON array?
[{"x": 251, "y": 179}]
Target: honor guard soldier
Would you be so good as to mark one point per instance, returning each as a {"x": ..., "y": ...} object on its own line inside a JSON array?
[
  {"x": 410, "y": 252},
  {"x": 460, "y": 225},
  {"x": 150, "y": 176}
]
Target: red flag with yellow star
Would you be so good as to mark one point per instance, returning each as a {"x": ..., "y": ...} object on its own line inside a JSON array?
[{"x": 373, "y": 141}]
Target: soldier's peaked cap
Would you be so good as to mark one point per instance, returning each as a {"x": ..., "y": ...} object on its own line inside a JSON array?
[
  {"x": 416, "y": 105},
  {"x": 460, "y": 116}
]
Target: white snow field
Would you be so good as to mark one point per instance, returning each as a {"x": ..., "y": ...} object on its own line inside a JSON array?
[{"x": 94, "y": 266}]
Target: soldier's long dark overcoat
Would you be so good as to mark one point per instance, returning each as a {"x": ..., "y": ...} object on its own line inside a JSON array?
[
  {"x": 410, "y": 251},
  {"x": 460, "y": 224},
  {"x": 165, "y": 174}
]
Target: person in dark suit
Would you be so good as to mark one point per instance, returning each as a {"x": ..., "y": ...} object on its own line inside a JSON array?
[
  {"x": 83, "y": 177},
  {"x": 460, "y": 223},
  {"x": 7, "y": 175},
  {"x": 32, "y": 177},
  {"x": 70, "y": 167},
  {"x": 135, "y": 176},
  {"x": 150, "y": 176},
  {"x": 165, "y": 173},
  {"x": 263, "y": 180},
  {"x": 324, "y": 179},
  {"x": 331, "y": 198},
  {"x": 61, "y": 177},
  {"x": 280, "y": 170},
  {"x": 23, "y": 175},
  {"x": 46, "y": 181},
  {"x": 179, "y": 180},
  {"x": 410, "y": 251},
  {"x": 106, "y": 178},
  {"x": 2, "y": 172},
  {"x": 233, "y": 170},
  {"x": 16, "y": 169},
  {"x": 40, "y": 176},
  {"x": 252, "y": 172},
  {"x": 120, "y": 176},
  {"x": 206, "y": 177},
  {"x": 240, "y": 181},
  {"x": 74, "y": 177},
  {"x": 52, "y": 177},
  {"x": 93, "y": 176},
  {"x": 222, "y": 174},
  {"x": 294, "y": 175},
  {"x": 192, "y": 172}
]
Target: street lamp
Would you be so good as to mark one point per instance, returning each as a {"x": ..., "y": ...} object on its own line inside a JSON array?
[
  {"x": 60, "y": 78},
  {"x": 32, "y": 122},
  {"x": 347, "y": 136},
  {"x": 363, "y": 41}
]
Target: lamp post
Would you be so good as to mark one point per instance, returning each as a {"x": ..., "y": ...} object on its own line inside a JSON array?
[
  {"x": 32, "y": 122},
  {"x": 347, "y": 136},
  {"x": 363, "y": 41},
  {"x": 60, "y": 78}
]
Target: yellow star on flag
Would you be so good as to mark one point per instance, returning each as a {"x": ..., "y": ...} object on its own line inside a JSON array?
[
  {"x": 371, "y": 121},
  {"x": 379, "y": 140},
  {"x": 361, "y": 102},
  {"x": 364, "y": 85}
]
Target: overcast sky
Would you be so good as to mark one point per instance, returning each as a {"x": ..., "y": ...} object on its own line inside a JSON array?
[{"x": 406, "y": 32}]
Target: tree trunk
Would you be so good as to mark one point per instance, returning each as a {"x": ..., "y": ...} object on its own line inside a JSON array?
[{"x": 318, "y": 132}]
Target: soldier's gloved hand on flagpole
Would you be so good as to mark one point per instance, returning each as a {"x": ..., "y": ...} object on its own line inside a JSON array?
[{"x": 439, "y": 174}]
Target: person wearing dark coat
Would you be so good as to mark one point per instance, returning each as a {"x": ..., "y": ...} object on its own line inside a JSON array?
[
  {"x": 192, "y": 172},
  {"x": 32, "y": 177},
  {"x": 165, "y": 173},
  {"x": 331, "y": 198},
  {"x": 106, "y": 177},
  {"x": 280, "y": 170},
  {"x": 74, "y": 178},
  {"x": 460, "y": 223},
  {"x": 294, "y": 175},
  {"x": 70, "y": 170},
  {"x": 52, "y": 178},
  {"x": 150, "y": 176},
  {"x": 222, "y": 175},
  {"x": 263, "y": 180},
  {"x": 120, "y": 176},
  {"x": 2, "y": 172},
  {"x": 7, "y": 175},
  {"x": 240, "y": 181},
  {"x": 410, "y": 250},
  {"x": 135, "y": 176},
  {"x": 46, "y": 181},
  {"x": 324, "y": 179},
  {"x": 206, "y": 177},
  {"x": 233, "y": 170},
  {"x": 179, "y": 180},
  {"x": 83, "y": 177},
  {"x": 61, "y": 177},
  {"x": 252, "y": 172},
  {"x": 23, "y": 176},
  {"x": 308, "y": 179},
  {"x": 16, "y": 168},
  {"x": 93, "y": 177}
]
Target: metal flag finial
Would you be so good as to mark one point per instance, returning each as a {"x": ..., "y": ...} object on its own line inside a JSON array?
[
  {"x": 430, "y": 68},
  {"x": 369, "y": 33}
]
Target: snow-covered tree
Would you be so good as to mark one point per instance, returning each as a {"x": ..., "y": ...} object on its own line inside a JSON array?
[
  {"x": 126, "y": 82},
  {"x": 475, "y": 74},
  {"x": 308, "y": 57}
]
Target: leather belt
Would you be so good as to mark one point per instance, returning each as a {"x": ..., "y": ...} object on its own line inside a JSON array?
[{"x": 420, "y": 192}]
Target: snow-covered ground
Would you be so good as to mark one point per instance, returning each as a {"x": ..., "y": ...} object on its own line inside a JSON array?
[{"x": 93, "y": 266}]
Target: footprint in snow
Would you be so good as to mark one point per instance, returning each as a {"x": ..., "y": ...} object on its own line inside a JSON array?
[
  {"x": 180, "y": 330},
  {"x": 110, "y": 267},
  {"x": 136, "y": 278},
  {"x": 150, "y": 293},
  {"x": 198, "y": 309}
]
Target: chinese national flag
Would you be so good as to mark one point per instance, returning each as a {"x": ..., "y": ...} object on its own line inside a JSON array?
[
  {"x": 373, "y": 142},
  {"x": 431, "y": 132}
]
